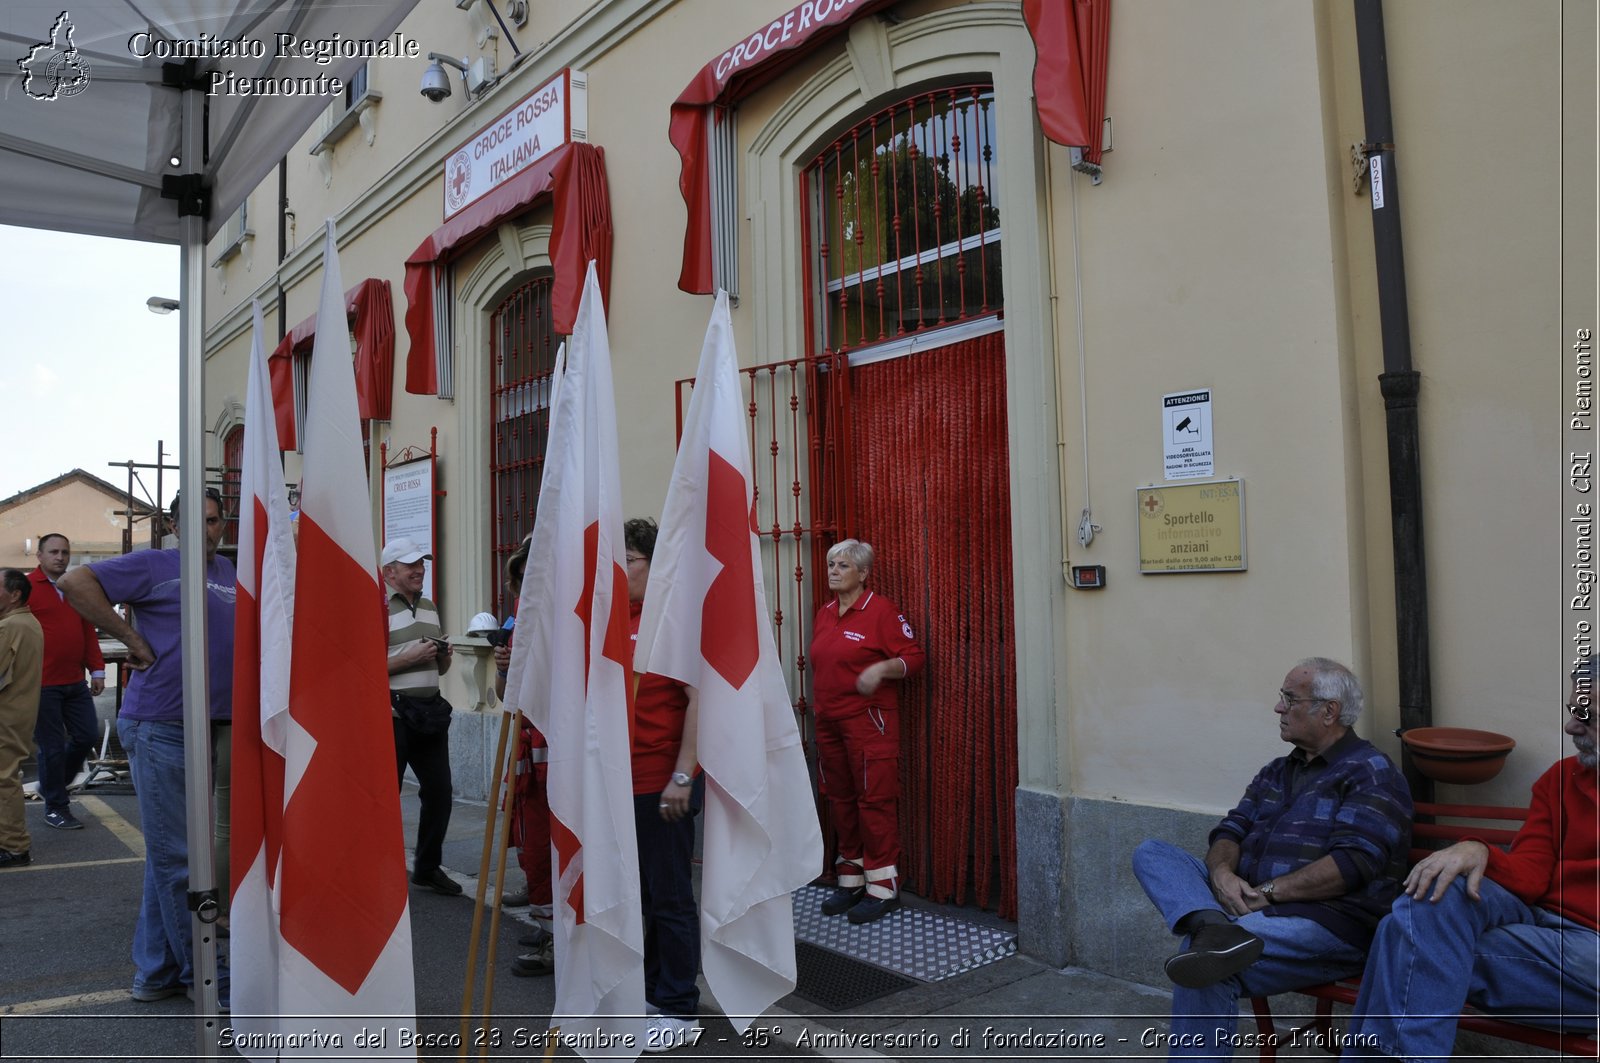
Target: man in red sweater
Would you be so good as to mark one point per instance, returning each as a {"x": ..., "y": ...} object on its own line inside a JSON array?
[
  {"x": 1513, "y": 931},
  {"x": 66, "y": 729}
]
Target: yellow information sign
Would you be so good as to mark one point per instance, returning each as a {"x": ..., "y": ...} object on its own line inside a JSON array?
[{"x": 1192, "y": 527}]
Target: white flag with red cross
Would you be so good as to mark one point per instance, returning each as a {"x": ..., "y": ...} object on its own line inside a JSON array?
[
  {"x": 344, "y": 960},
  {"x": 705, "y": 623},
  {"x": 570, "y": 673},
  {"x": 263, "y": 618}
]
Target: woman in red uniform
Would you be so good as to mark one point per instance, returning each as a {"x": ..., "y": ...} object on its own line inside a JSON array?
[{"x": 861, "y": 648}]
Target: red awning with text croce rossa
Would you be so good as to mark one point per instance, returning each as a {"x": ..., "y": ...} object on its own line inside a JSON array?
[
  {"x": 739, "y": 70},
  {"x": 574, "y": 177}
]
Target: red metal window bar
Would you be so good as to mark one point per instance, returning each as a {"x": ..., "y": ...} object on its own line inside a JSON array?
[
  {"x": 903, "y": 224},
  {"x": 523, "y": 346}
]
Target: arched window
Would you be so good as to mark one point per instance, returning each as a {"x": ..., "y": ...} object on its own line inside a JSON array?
[
  {"x": 232, "y": 464},
  {"x": 522, "y": 343},
  {"x": 903, "y": 223}
]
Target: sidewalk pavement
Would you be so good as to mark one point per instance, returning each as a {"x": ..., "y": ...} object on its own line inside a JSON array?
[{"x": 1013, "y": 1008}]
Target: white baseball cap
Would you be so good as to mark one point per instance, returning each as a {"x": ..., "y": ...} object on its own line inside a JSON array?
[{"x": 405, "y": 551}]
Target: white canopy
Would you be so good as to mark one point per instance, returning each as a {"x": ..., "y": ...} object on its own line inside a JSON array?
[{"x": 88, "y": 130}]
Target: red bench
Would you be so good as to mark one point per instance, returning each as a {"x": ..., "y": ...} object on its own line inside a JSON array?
[{"x": 1426, "y": 836}]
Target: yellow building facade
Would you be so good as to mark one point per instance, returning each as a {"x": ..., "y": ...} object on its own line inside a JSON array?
[{"x": 1228, "y": 249}]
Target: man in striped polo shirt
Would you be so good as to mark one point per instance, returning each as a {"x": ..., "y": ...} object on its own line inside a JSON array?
[{"x": 418, "y": 656}]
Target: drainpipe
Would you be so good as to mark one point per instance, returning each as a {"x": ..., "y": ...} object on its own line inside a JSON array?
[
  {"x": 1400, "y": 384},
  {"x": 283, "y": 241}
]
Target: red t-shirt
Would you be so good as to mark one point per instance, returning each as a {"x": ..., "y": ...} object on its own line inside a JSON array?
[
  {"x": 842, "y": 647},
  {"x": 1554, "y": 862},
  {"x": 658, "y": 709}
]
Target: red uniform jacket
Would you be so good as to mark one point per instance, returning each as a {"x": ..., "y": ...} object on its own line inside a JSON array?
[{"x": 842, "y": 647}]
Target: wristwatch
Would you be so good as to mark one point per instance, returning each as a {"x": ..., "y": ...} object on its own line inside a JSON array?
[
  {"x": 680, "y": 779},
  {"x": 1267, "y": 889}
]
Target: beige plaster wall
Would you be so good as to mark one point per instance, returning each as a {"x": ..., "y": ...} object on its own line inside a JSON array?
[
  {"x": 1208, "y": 261},
  {"x": 1477, "y": 115},
  {"x": 86, "y": 516}
]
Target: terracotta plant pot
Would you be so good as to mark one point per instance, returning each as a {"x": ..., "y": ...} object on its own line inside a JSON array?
[{"x": 1458, "y": 755}]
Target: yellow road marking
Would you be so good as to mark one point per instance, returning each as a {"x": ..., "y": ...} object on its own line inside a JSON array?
[
  {"x": 77, "y": 1000},
  {"x": 77, "y": 863},
  {"x": 126, "y": 832}
]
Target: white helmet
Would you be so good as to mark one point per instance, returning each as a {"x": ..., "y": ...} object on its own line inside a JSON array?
[{"x": 481, "y": 625}]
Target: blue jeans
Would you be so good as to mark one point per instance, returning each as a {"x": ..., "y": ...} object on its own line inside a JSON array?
[
  {"x": 1498, "y": 953},
  {"x": 163, "y": 942},
  {"x": 1296, "y": 952},
  {"x": 65, "y": 734},
  {"x": 671, "y": 917}
]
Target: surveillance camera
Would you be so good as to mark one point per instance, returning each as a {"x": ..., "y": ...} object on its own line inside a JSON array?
[{"x": 435, "y": 83}]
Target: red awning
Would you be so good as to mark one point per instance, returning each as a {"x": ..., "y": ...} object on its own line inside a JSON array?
[
  {"x": 575, "y": 178},
  {"x": 738, "y": 71},
  {"x": 1071, "y": 39},
  {"x": 369, "y": 310}
]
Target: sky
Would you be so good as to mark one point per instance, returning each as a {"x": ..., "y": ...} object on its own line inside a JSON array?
[{"x": 95, "y": 372}]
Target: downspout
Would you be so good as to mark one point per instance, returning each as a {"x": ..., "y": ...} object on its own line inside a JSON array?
[
  {"x": 1400, "y": 384},
  {"x": 283, "y": 243}
]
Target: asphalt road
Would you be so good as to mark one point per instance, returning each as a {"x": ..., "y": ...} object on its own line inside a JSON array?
[{"x": 66, "y": 930}]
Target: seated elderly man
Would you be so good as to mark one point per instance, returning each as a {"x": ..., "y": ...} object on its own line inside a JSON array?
[
  {"x": 1296, "y": 877},
  {"x": 1506, "y": 931}
]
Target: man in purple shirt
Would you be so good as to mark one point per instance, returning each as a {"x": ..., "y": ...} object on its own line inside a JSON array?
[{"x": 150, "y": 726}]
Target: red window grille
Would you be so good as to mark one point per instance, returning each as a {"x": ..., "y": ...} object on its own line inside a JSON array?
[
  {"x": 523, "y": 344},
  {"x": 232, "y": 464},
  {"x": 902, "y": 222}
]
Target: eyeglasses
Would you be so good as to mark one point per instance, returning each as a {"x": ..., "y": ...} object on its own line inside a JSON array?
[
  {"x": 1291, "y": 700},
  {"x": 631, "y": 558},
  {"x": 1582, "y": 713}
]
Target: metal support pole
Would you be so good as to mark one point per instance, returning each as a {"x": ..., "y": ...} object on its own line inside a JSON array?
[{"x": 192, "y": 530}]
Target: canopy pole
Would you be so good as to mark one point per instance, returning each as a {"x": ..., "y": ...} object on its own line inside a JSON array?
[{"x": 192, "y": 530}]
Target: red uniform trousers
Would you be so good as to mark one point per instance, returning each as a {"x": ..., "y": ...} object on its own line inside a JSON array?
[
  {"x": 858, "y": 758},
  {"x": 530, "y": 817}
]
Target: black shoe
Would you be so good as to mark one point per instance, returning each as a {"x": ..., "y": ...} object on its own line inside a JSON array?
[
  {"x": 437, "y": 881},
  {"x": 514, "y": 900},
  {"x": 11, "y": 859},
  {"x": 871, "y": 908},
  {"x": 63, "y": 820},
  {"x": 1215, "y": 952},
  {"x": 843, "y": 899},
  {"x": 533, "y": 964}
]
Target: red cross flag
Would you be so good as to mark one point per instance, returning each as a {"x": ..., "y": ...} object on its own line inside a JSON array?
[
  {"x": 705, "y": 623},
  {"x": 263, "y": 617},
  {"x": 569, "y": 672},
  {"x": 341, "y": 954}
]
